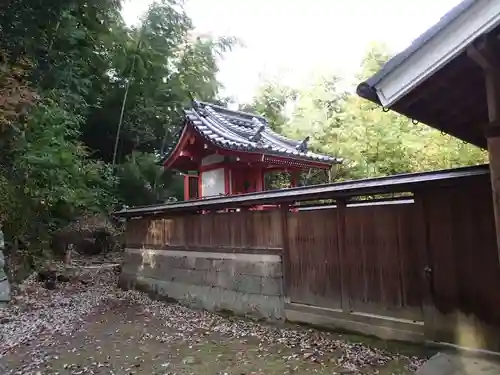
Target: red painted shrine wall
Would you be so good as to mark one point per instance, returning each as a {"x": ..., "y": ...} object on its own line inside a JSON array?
[{"x": 246, "y": 180}]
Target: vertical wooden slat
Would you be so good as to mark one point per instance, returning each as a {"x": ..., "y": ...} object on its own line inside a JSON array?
[
  {"x": 285, "y": 255},
  {"x": 424, "y": 262},
  {"x": 341, "y": 247}
]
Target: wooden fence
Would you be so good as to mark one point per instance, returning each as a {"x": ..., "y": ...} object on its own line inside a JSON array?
[
  {"x": 362, "y": 259},
  {"x": 429, "y": 259},
  {"x": 239, "y": 232}
]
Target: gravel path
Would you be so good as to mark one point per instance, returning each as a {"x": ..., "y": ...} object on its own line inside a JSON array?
[{"x": 98, "y": 329}]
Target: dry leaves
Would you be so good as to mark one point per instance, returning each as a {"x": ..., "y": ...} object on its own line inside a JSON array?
[{"x": 39, "y": 314}]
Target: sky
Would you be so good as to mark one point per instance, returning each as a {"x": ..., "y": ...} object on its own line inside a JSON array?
[{"x": 290, "y": 40}]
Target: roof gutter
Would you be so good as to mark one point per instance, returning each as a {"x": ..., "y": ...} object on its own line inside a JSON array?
[{"x": 431, "y": 51}]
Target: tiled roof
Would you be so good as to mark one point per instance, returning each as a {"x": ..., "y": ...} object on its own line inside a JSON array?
[{"x": 246, "y": 132}]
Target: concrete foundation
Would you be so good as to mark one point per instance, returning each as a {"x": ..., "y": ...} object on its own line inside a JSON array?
[{"x": 244, "y": 284}]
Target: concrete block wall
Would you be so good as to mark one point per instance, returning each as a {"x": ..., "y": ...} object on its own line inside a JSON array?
[{"x": 245, "y": 284}]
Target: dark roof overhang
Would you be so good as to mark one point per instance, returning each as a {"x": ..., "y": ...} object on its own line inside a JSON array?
[{"x": 452, "y": 99}]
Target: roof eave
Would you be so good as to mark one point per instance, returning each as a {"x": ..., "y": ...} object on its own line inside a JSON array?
[
  {"x": 365, "y": 91},
  {"x": 168, "y": 159},
  {"x": 431, "y": 51},
  {"x": 314, "y": 163},
  {"x": 253, "y": 150},
  {"x": 402, "y": 182}
]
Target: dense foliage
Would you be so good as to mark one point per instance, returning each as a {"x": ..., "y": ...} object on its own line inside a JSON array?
[
  {"x": 73, "y": 76},
  {"x": 372, "y": 142}
]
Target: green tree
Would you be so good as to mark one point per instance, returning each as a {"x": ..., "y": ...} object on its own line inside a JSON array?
[
  {"x": 271, "y": 102},
  {"x": 372, "y": 142},
  {"x": 156, "y": 72},
  {"x": 64, "y": 70},
  {"x": 143, "y": 181}
]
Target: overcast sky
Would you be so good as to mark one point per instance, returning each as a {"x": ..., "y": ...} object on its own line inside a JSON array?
[{"x": 291, "y": 38}]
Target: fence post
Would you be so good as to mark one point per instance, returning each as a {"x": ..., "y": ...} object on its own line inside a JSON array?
[
  {"x": 425, "y": 265},
  {"x": 285, "y": 255},
  {"x": 341, "y": 244}
]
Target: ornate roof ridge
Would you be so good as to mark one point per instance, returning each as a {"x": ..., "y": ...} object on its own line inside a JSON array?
[{"x": 243, "y": 131}]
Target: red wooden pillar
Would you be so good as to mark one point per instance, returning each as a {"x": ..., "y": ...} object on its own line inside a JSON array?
[
  {"x": 186, "y": 187},
  {"x": 294, "y": 179},
  {"x": 259, "y": 181}
]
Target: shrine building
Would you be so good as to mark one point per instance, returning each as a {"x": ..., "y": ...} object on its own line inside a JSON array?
[{"x": 225, "y": 152}]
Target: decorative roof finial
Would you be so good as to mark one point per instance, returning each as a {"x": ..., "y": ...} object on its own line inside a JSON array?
[
  {"x": 257, "y": 137},
  {"x": 194, "y": 102},
  {"x": 258, "y": 134},
  {"x": 303, "y": 145}
]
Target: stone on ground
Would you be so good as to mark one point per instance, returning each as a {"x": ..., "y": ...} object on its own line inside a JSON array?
[
  {"x": 449, "y": 364},
  {"x": 4, "y": 282}
]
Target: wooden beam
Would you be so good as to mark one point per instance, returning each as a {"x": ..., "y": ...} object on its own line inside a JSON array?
[
  {"x": 492, "y": 129},
  {"x": 483, "y": 52},
  {"x": 479, "y": 57}
]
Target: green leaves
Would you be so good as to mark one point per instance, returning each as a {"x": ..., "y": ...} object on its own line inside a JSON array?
[
  {"x": 372, "y": 142},
  {"x": 54, "y": 164},
  {"x": 143, "y": 181},
  {"x": 47, "y": 177},
  {"x": 162, "y": 65},
  {"x": 271, "y": 102},
  {"x": 55, "y": 158}
]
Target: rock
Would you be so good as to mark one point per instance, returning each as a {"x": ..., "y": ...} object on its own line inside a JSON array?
[
  {"x": 47, "y": 274},
  {"x": 90, "y": 234},
  {"x": 117, "y": 269},
  {"x": 4, "y": 282},
  {"x": 62, "y": 278},
  {"x": 50, "y": 284},
  {"x": 48, "y": 277},
  {"x": 189, "y": 360},
  {"x": 85, "y": 280},
  {"x": 449, "y": 364},
  {"x": 345, "y": 371},
  {"x": 17, "y": 300},
  {"x": 4, "y": 292}
]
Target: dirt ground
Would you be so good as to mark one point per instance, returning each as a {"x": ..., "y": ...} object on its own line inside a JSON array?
[{"x": 127, "y": 333}]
